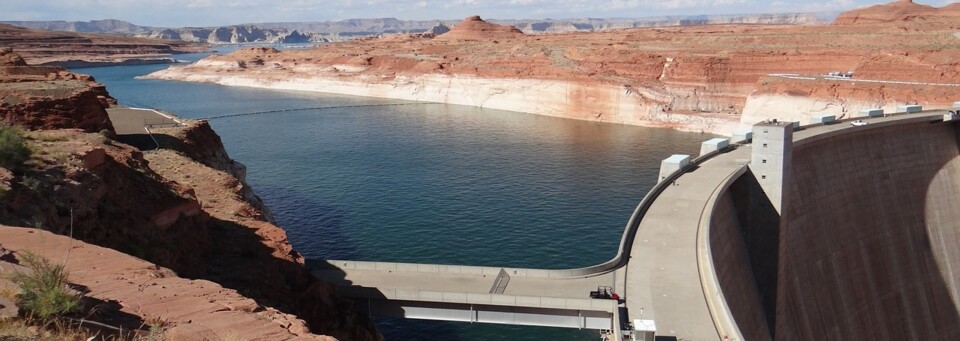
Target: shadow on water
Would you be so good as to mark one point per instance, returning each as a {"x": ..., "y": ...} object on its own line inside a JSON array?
[
  {"x": 316, "y": 228},
  {"x": 235, "y": 255}
]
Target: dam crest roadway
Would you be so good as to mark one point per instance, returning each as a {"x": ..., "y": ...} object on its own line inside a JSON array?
[{"x": 729, "y": 245}]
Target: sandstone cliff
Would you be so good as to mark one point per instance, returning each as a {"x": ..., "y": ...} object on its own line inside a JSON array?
[
  {"x": 93, "y": 26},
  {"x": 40, "y": 47},
  {"x": 39, "y": 97},
  {"x": 695, "y": 78},
  {"x": 925, "y": 71},
  {"x": 185, "y": 208},
  {"x": 237, "y": 34}
]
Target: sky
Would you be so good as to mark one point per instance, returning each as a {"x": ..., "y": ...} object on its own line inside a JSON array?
[{"x": 177, "y": 13}]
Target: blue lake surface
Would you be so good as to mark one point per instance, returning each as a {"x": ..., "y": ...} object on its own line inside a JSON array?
[{"x": 429, "y": 183}]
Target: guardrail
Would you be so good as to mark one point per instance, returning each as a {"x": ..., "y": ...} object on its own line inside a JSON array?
[{"x": 618, "y": 261}]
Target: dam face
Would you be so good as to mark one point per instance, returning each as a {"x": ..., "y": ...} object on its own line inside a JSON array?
[{"x": 867, "y": 245}]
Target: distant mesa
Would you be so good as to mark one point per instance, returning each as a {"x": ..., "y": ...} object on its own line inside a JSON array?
[
  {"x": 902, "y": 10},
  {"x": 475, "y": 28}
]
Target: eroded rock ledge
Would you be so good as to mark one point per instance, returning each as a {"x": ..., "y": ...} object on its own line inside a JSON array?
[{"x": 185, "y": 208}]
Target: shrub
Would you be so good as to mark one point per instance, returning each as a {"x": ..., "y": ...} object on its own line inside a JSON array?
[
  {"x": 13, "y": 148},
  {"x": 43, "y": 289}
]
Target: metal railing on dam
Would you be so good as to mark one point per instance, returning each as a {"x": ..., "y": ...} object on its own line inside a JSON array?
[{"x": 618, "y": 261}]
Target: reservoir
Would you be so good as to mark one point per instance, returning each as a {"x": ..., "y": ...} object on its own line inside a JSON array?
[{"x": 365, "y": 179}]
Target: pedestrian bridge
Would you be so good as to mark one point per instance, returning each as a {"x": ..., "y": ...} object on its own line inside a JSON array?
[{"x": 516, "y": 296}]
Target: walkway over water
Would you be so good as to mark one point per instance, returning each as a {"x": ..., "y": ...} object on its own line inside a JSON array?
[{"x": 473, "y": 294}]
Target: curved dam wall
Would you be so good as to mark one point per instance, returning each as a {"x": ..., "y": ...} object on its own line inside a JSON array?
[
  {"x": 743, "y": 243},
  {"x": 867, "y": 246}
]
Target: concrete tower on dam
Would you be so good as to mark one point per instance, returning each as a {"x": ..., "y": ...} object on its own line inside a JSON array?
[
  {"x": 863, "y": 241},
  {"x": 771, "y": 158}
]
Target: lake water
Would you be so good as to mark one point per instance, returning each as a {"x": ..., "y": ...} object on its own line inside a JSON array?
[{"x": 427, "y": 183}]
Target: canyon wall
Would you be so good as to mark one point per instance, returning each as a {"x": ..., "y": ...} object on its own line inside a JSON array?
[
  {"x": 42, "y": 47},
  {"x": 38, "y": 97},
  {"x": 696, "y": 78},
  {"x": 799, "y": 100},
  {"x": 185, "y": 207},
  {"x": 605, "y": 103},
  {"x": 236, "y": 34}
]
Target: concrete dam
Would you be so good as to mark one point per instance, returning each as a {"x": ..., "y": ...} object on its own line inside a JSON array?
[
  {"x": 863, "y": 244},
  {"x": 836, "y": 230}
]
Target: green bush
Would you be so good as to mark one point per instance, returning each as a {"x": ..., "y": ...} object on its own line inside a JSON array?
[
  {"x": 13, "y": 148},
  {"x": 43, "y": 289}
]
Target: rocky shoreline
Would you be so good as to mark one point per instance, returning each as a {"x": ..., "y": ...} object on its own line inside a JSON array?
[
  {"x": 185, "y": 209},
  {"x": 601, "y": 103}
]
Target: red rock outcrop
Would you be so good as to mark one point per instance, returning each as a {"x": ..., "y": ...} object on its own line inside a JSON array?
[
  {"x": 47, "y": 97},
  {"x": 8, "y": 58},
  {"x": 189, "y": 210},
  {"x": 475, "y": 28},
  {"x": 177, "y": 212},
  {"x": 902, "y": 10},
  {"x": 270, "y": 271},
  {"x": 118, "y": 202},
  {"x": 189, "y": 309},
  {"x": 926, "y": 66}
]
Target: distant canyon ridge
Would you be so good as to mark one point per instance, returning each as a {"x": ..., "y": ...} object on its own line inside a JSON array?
[
  {"x": 711, "y": 78},
  {"x": 330, "y": 31}
]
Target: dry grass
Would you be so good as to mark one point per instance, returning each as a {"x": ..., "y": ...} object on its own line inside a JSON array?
[{"x": 22, "y": 330}]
